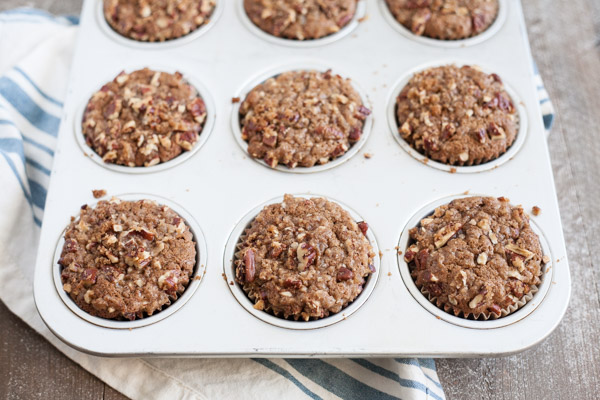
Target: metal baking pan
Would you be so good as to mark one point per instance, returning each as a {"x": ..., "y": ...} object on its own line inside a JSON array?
[{"x": 219, "y": 188}]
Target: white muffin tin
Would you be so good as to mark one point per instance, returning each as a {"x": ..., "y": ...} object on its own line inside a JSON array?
[{"x": 219, "y": 188}]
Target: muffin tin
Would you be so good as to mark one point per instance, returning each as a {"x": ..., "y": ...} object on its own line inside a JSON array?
[{"x": 219, "y": 189}]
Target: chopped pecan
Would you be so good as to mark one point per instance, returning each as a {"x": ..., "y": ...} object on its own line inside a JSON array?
[
  {"x": 442, "y": 236},
  {"x": 249, "y": 266},
  {"x": 306, "y": 255},
  {"x": 344, "y": 274},
  {"x": 363, "y": 226}
]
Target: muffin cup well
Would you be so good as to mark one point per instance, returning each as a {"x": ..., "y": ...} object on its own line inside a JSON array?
[
  {"x": 361, "y": 9},
  {"x": 123, "y": 40},
  {"x": 207, "y": 128},
  {"x": 229, "y": 258},
  {"x": 450, "y": 44},
  {"x": 166, "y": 311},
  {"x": 511, "y": 315},
  {"x": 257, "y": 80},
  {"x": 514, "y": 148}
]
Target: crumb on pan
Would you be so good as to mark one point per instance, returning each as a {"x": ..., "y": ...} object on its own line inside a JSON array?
[{"x": 98, "y": 193}]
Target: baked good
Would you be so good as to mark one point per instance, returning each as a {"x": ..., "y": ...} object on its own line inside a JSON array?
[
  {"x": 126, "y": 260},
  {"x": 476, "y": 256},
  {"x": 143, "y": 118},
  {"x": 302, "y": 118},
  {"x": 445, "y": 19},
  {"x": 457, "y": 115},
  {"x": 157, "y": 20},
  {"x": 304, "y": 258},
  {"x": 300, "y": 19}
]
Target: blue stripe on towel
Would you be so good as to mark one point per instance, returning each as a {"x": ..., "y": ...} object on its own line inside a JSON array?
[
  {"x": 274, "y": 367},
  {"x": 38, "y": 192},
  {"x": 37, "y": 88},
  {"x": 407, "y": 383},
  {"x": 26, "y": 139},
  {"x": 335, "y": 380},
  {"x": 28, "y": 108}
]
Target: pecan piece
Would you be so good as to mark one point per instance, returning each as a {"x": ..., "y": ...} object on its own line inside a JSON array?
[
  {"x": 363, "y": 226},
  {"x": 496, "y": 132},
  {"x": 306, "y": 255},
  {"x": 344, "y": 274},
  {"x": 442, "y": 236},
  {"x": 89, "y": 276},
  {"x": 292, "y": 283},
  {"x": 250, "y": 267},
  {"x": 422, "y": 258},
  {"x": 519, "y": 250},
  {"x": 419, "y": 21}
]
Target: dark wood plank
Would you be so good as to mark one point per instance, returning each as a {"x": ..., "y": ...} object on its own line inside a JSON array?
[{"x": 31, "y": 368}]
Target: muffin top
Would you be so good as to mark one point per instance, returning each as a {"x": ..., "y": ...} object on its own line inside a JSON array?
[
  {"x": 302, "y": 118},
  {"x": 445, "y": 19},
  {"x": 303, "y": 258},
  {"x": 126, "y": 259},
  {"x": 457, "y": 116},
  {"x": 143, "y": 118},
  {"x": 157, "y": 20},
  {"x": 475, "y": 255},
  {"x": 300, "y": 19}
]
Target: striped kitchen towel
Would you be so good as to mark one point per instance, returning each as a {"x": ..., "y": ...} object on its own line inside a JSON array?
[{"x": 35, "y": 53}]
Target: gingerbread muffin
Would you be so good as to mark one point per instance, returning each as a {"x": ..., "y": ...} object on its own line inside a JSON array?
[
  {"x": 302, "y": 118},
  {"x": 143, "y": 118},
  {"x": 157, "y": 20},
  {"x": 300, "y": 19},
  {"x": 445, "y": 19},
  {"x": 304, "y": 258},
  {"x": 457, "y": 116},
  {"x": 476, "y": 257},
  {"x": 126, "y": 260}
]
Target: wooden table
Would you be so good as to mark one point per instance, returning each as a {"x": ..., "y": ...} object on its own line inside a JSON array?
[{"x": 565, "y": 40}]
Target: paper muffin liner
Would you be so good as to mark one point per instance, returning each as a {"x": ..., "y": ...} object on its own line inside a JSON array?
[{"x": 481, "y": 316}]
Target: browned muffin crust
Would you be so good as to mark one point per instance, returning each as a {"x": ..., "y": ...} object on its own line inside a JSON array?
[
  {"x": 300, "y": 19},
  {"x": 302, "y": 118},
  {"x": 157, "y": 20},
  {"x": 304, "y": 258},
  {"x": 458, "y": 116},
  {"x": 143, "y": 118},
  {"x": 445, "y": 19},
  {"x": 475, "y": 255},
  {"x": 126, "y": 260}
]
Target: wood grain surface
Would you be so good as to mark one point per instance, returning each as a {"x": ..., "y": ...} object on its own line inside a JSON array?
[{"x": 565, "y": 40}]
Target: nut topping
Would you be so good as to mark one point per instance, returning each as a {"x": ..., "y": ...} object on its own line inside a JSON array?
[
  {"x": 442, "y": 236},
  {"x": 249, "y": 264},
  {"x": 344, "y": 274},
  {"x": 306, "y": 256}
]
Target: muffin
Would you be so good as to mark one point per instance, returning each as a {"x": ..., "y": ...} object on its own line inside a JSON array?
[
  {"x": 143, "y": 118},
  {"x": 126, "y": 260},
  {"x": 304, "y": 258},
  {"x": 302, "y": 118},
  {"x": 445, "y": 19},
  {"x": 157, "y": 20},
  {"x": 457, "y": 116},
  {"x": 476, "y": 257},
  {"x": 300, "y": 19}
]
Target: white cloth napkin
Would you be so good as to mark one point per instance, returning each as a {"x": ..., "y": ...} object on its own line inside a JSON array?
[{"x": 35, "y": 54}]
